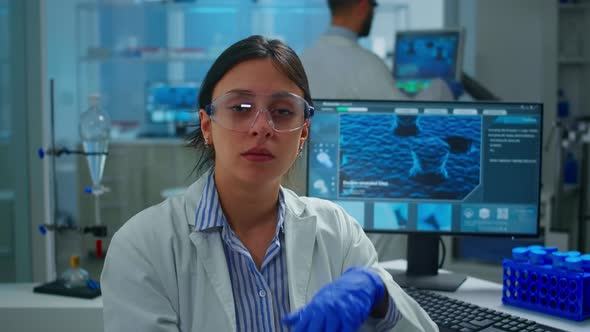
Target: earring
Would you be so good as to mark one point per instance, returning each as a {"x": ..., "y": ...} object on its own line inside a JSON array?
[
  {"x": 300, "y": 150},
  {"x": 206, "y": 143}
]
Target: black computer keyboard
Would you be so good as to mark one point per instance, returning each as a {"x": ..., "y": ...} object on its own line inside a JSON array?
[{"x": 454, "y": 315}]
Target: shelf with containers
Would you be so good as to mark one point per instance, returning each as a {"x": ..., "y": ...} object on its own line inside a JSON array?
[
  {"x": 137, "y": 54},
  {"x": 298, "y": 23},
  {"x": 124, "y": 48},
  {"x": 129, "y": 49}
]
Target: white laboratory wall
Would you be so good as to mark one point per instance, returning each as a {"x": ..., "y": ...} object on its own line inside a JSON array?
[
  {"x": 511, "y": 49},
  {"x": 62, "y": 38},
  {"x": 61, "y": 32},
  {"x": 423, "y": 14},
  {"x": 426, "y": 14},
  {"x": 395, "y": 15}
]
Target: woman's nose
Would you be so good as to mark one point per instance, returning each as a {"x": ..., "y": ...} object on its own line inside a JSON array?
[{"x": 262, "y": 124}]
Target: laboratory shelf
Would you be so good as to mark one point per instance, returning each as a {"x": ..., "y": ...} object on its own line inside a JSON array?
[
  {"x": 574, "y": 6},
  {"x": 147, "y": 59},
  {"x": 574, "y": 61}
]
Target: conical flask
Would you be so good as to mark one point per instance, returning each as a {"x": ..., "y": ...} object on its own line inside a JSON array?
[{"x": 95, "y": 128}]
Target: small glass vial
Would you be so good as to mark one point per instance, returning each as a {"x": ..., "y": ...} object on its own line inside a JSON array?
[{"x": 75, "y": 276}]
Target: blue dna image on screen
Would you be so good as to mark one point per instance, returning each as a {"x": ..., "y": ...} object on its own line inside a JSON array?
[
  {"x": 390, "y": 216},
  {"x": 418, "y": 157},
  {"x": 434, "y": 217},
  {"x": 429, "y": 167},
  {"x": 426, "y": 57}
]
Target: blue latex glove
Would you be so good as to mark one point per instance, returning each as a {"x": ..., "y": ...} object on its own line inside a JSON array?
[{"x": 342, "y": 305}]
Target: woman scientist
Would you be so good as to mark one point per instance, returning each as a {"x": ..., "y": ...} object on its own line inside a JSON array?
[{"x": 238, "y": 252}]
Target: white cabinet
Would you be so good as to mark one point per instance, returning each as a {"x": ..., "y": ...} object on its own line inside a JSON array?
[
  {"x": 574, "y": 55},
  {"x": 573, "y": 49}
]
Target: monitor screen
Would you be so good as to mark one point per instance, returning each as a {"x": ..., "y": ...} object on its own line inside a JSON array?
[
  {"x": 421, "y": 56},
  {"x": 429, "y": 167},
  {"x": 172, "y": 102}
]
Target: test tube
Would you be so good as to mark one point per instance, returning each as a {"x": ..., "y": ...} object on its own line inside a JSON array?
[
  {"x": 537, "y": 256},
  {"x": 535, "y": 246},
  {"x": 574, "y": 263},
  {"x": 559, "y": 259},
  {"x": 549, "y": 251},
  {"x": 520, "y": 254},
  {"x": 585, "y": 263}
]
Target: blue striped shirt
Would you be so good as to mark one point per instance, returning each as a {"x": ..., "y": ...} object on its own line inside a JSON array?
[{"x": 261, "y": 297}]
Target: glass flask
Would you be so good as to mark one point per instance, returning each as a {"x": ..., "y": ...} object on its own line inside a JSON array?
[
  {"x": 75, "y": 276},
  {"x": 95, "y": 127}
]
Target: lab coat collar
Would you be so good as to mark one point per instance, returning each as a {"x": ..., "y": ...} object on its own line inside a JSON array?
[
  {"x": 210, "y": 252},
  {"x": 300, "y": 241},
  {"x": 193, "y": 194}
]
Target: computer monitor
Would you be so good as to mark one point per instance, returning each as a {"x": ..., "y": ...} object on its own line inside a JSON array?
[
  {"x": 171, "y": 103},
  {"x": 428, "y": 169},
  {"x": 423, "y": 55}
]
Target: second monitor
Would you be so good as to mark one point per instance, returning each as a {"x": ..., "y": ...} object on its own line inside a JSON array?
[{"x": 424, "y": 55}]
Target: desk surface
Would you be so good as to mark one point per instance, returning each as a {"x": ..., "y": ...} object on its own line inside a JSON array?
[
  {"x": 489, "y": 294},
  {"x": 18, "y": 303},
  {"x": 24, "y": 311},
  {"x": 21, "y": 296}
]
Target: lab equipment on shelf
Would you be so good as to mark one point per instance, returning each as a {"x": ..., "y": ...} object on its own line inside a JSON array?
[
  {"x": 95, "y": 128},
  {"x": 563, "y": 105},
  {"x": 75, "y": 276},
  {"x": 170, "y": 108},
  {"x": 74, "y": 282}
]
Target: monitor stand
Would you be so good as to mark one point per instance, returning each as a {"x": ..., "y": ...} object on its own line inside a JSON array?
[{"x": 422, "y": 270}]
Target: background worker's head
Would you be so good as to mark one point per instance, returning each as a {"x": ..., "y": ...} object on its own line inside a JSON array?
[{"x": 356, "y": 15}]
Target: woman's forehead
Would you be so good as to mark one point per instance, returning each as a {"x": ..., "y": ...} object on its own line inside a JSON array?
[{"x": 259, "y": 76}]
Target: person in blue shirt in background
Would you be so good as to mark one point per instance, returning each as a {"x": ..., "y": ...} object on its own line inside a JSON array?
[{"x": 237, "y": 251}]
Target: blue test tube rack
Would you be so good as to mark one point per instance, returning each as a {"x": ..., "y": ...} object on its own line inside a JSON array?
[{"x": 545, "y": 280}]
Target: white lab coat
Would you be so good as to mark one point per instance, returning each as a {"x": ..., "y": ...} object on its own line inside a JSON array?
[
  {"x": 159, "y": 275},
  {"x": 337, "y": 67}
]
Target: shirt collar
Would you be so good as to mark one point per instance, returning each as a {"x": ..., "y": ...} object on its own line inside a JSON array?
[
  {"x": 342, "y": 32},
  {"x": 209, "y": 214}
]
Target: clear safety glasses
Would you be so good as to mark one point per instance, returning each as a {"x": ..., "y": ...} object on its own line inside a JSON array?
[{"x": 238, "y": 111}]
